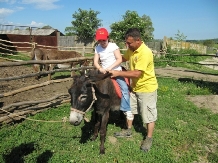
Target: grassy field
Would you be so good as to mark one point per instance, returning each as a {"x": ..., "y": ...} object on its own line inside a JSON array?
[{"x": 184, "y": 133}]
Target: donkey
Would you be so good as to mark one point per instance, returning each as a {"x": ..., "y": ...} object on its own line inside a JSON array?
[
  {"x": 95, "y": 90},
  {"x": 38, "y": 54},
  {"x": 43, "y": 54}
]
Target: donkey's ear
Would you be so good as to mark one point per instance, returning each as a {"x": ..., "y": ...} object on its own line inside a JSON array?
[
  {"x": 99, "y": 77},
  {"x": 104, "y": 76},
  {"x": 107, "y": 75}
]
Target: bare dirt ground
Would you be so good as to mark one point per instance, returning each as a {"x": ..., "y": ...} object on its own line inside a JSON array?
[
  {"x": 48, "y": 91},
  {"x": 35, "y": 94},
  {"x": 202, "y": 101}
]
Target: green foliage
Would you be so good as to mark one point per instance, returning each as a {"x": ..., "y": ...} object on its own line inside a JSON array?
[
  {"x": 69, "y": 31},
  {"x": 47, "y": 27},
  {"x": 192, "y": 58},
  {"x": 132, "y": 19},
  {"x": 180, "y": 36},
  {"x": 209, "y": 43},
  {"x": 183, "y": 133},
  {"x": 183, "y": 60},
  {"x": 17, "y": 56},
  {"x": 84, "y": 24}
]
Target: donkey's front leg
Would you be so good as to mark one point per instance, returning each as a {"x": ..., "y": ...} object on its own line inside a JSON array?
[
  {"x": 103, "y": 131},
  {"x": 51, "y": 67},
  {"x": 36, "y": 68},
  {"x": 96, "y": 128}
]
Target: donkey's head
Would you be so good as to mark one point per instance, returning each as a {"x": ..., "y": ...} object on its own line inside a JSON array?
[
  {"x": 83, "y": 95},
  {"x": 81, "y": 99}
]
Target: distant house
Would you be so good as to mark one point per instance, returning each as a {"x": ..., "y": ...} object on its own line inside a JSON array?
[{"x": 21, "y": 38}]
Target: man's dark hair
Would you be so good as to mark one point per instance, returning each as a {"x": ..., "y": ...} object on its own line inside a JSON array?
[{"x": 133, "y": 32}]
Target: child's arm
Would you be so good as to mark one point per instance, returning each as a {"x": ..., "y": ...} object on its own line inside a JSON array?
[
  {"x": 96, "y": 59},
  {"x": 96, "y": 64},
  {"x": 118, "y": 60}
]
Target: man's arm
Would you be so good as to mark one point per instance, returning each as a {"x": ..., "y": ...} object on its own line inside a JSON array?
[
  {"x": 127, "y": 74},
  {"x": 123, "y": 59}
]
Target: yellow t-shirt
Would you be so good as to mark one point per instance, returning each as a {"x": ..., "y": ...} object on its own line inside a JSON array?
[{"x": 142, "y": 59}]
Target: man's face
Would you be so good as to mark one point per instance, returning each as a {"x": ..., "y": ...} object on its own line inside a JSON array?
[{"x": 132, "y": 44}]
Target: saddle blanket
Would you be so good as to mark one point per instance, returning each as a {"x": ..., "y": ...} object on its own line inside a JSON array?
[{"x": 117, "y": 87}]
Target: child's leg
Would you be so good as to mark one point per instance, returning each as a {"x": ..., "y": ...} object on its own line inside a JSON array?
[{"x": 125, "y": 99}]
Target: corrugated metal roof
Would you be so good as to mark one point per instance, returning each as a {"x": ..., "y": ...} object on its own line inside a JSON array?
[{"x": 41, "y": 32}]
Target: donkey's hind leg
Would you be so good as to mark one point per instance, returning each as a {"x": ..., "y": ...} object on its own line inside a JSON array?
[
  {"x": 36, "y": 68},
  {"x": 51, "y": 67}
]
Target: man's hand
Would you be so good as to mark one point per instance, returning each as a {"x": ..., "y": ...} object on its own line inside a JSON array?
[{"x": 114, "y": 73}]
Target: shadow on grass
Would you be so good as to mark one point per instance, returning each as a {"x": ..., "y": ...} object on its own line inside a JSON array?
[
  {"x": 138, "y": 125},
  {"x": 44, "y": 157},
  {"x": 205, "y": 73},
  {"x": 17, "y": 154},
  {"x": 212, "y": 86},
  {"x": 212, "y": 157},
  {"x": 115, "y": 117}
]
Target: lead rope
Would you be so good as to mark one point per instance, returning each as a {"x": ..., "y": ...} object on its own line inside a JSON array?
[{"x": 93, "y": 100}]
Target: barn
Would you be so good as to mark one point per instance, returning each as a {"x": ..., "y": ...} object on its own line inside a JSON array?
[{"x": 20, "y": 39}]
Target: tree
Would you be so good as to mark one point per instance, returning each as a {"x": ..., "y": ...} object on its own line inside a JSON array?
[
  {"x": 132, "y": 19},
  {"x": 84, "y": 25},
  {"x": 180, "y": 36},
  {"x": 47, "y": 27},
  {"x": 209, "y": 43}
]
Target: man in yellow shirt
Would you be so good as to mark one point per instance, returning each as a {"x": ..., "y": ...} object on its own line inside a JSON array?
[{"x": 144, "y": 84}]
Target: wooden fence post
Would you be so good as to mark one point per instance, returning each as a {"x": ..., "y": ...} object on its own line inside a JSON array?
[{"x": 84, "y": 49}]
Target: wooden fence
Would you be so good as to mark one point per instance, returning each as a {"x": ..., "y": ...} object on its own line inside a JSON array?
[
  {"x": 10, "y": 113},
  {"x": 174, "y": 44},
  {"x": 20, "y": 110},
  {"x": 8, "y": 47}
]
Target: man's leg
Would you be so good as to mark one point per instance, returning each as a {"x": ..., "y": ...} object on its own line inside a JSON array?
[
  {"x": 148, "y": 110},
  {"x": 150, "y": 129}
]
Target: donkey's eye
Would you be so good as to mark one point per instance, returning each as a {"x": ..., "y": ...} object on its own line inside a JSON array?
[{"x": 82, "y": 97}]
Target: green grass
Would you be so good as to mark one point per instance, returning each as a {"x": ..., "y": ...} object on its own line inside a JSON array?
[
  {"x": 89, "y": 55},
  {"x": 185, "y": 61},
  {"x": 183, "y": 133},
  {"x": 17, "y": 56}
]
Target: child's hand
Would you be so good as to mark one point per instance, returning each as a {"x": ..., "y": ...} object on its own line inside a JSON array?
[
  {"x": 102, "y": 70},
  {"x": 108, "y": 69}
]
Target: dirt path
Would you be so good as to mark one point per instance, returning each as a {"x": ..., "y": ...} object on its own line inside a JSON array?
[{"x": 202, "y": 101}]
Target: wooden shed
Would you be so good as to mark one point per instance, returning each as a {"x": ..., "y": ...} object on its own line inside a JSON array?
[{"x": 21, "y": 38}]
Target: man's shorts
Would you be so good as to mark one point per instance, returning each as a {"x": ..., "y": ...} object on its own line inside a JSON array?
[{"x": 144, "y": 104}]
